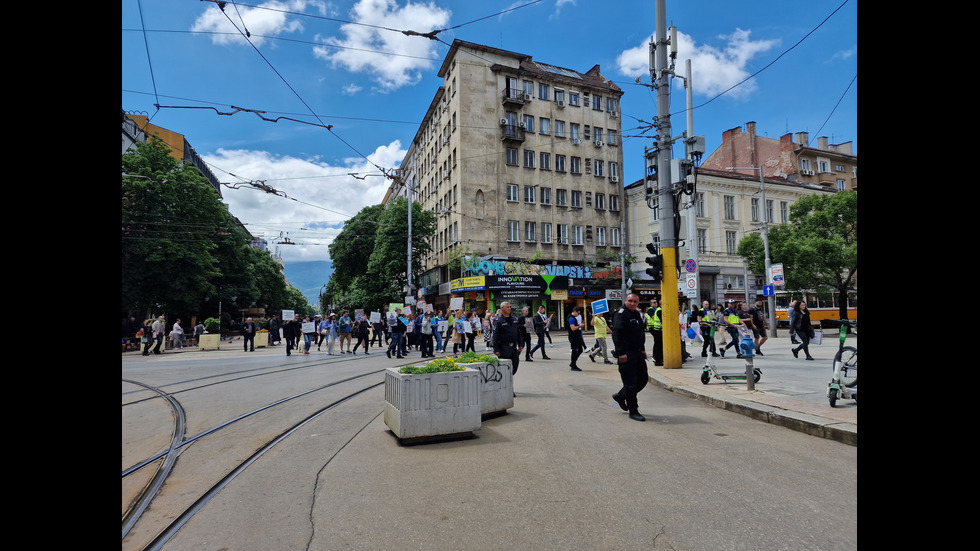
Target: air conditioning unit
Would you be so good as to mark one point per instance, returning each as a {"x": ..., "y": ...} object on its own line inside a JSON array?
[
  {"x": 806, "y": 172},
  {"x": 576, "y": 141},
  {"x": 521, "y": 125},
  {"x": 614, "y": 179},
  {"x": 598, "y": 143},
  {"x": 503, "y": 122},
  {"x": 614, "y": 114},
  {"x": 526, "y": 96},
  {"x": 560, "y": 103}
]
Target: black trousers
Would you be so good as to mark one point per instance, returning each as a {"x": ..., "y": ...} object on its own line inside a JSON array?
[
  {"x": 658, "y": 346},
  {"x": 578, "y": 345},
  {"x": 249, "y": 338},
  {"x": 635, "y": 376},
  {"x": 511, "y": 352}
]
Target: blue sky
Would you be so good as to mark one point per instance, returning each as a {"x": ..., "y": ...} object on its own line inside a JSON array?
[{"x": 310, "y": 64}]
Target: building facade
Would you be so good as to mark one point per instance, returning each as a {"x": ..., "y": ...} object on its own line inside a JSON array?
[
  {"x": 728, "y": 204},
  {"x": 522, "y": 163}
]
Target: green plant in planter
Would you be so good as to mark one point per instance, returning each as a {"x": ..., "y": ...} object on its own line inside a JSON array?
[
  {"x": 435, "y": 366},
  {"x": 470, "y": 357},
  {"x": 212, "y": 325}
]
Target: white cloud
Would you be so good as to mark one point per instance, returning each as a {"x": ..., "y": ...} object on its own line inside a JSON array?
[
  {"x": 715, "y": 69},
  {"x": 318, "y": 197},
  {"x": 256, "y": 21},
  {"x": 352, "y": 89},
  {"x": 361, "y": 43}
]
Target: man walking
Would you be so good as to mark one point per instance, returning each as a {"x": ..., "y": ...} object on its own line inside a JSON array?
[
  {"x": 527, "y": 326},
  {"x": 575, "y": 337},
  {"x": 540, "y": 323},
  {"x": 759, "y": 326},
  {"x": 397, "y": 324},
  {"x": 248, "y": 332},
  {"x": 159, "y": 331},
  {"x": 506, "y": 339},
  {"x": 628, "y": 337},
  {"x": 707, "y": 329}
]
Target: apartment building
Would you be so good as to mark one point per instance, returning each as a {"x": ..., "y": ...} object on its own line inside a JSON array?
[{"x": 521, "y": 160}]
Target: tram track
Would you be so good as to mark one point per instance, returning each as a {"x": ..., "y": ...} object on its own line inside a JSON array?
[{"x": 166, "y": 459}]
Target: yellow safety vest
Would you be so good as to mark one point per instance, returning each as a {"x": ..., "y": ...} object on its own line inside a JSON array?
[{"x": 654, "y": 322}]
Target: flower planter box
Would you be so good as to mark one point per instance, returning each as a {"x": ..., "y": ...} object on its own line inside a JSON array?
[
  {"x": 432, "y": 406},
  {"x": 261, "y": 340},
  {"x": 496, "y": 387},
  {"x": 210, "y": 341}
]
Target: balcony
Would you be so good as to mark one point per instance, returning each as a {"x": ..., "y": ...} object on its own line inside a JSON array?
[
  {"x": 515, "y": 96},
  {"x": 512, "y": 133}
]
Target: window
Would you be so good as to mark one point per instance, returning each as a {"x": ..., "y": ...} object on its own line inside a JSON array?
[
  {"x": 576, "y": 165},
  {"x": 783, "y": 212},
  {"x": 702, "y": 241},
  {"x": 598, "y": 134},
  {"x": 546, "y": 232},
  {"x": 528, "y": 123},
  {"x": 559, "y": 94},
  {"x": 804, "y": 164},
  {"x": 600, "y": 236},
  {"x": 610, "y": 104},
  {"x": 841, "y": 186},
  {"x": 769, "y": 211},
  {"x": 597, "y": 103},
  {"x": 528, "y": 158},
  {"x": 560, "y": 198},
  {"x": 576, "y": 235},
  {"x": 511, "y": 156},
  {"x": 654, "y": 203},
  {"x": 573, "y": 98},
  {"x": 838, "y": 168},
  {"x": 729, "y": 207},
  {"x": 577, "y": 199},
  {"x": 614, "y": 170},
  {"x": 614, "y": 238},
  {"x": 513, "y": 233},
  {"x": 528, "y": 88},
  {"x": 613, "y": 202},
  {"x": 546, "y": 161},
  {"x": 529, "y": 231},
  {"x": 730, "y": 242},
  {"x": 455, "y": 234},
  {"x": 574, "y": 134},
  {"x": 559, "y": 129},
  {"x": 600, "y": 201},
  {"x": 699, "y": 204},
  {"x": 755, "y": 209},
  {"x": 598, "y": 167},
  {"x": 512, "y": 193},
  {"x": 562, "y": 234},
  {"x": 543, "y": 91},
  {"x": 544, "y": 126},
  {"x": 612, "y": 137},
  {"x": 823, "y": 166},
  {"x": 528, "y": 194},
  {"x": 560, "y": 163},
  {"x": 546, "y": 196}
]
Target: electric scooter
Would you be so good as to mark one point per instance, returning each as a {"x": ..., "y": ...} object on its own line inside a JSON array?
[
  {"x": 748, "y": 351},
  {"x": 843, "y": 384}
]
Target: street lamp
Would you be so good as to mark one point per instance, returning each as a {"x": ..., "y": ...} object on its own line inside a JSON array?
[{"x": 765, "y": 243}]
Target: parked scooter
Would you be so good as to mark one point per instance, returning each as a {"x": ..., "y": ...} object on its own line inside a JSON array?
[
  {"x": 748, "y": 351},
  {"x": 843, "y": 384}
]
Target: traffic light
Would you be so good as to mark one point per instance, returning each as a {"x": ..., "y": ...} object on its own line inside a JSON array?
[{"x": 656, "y": 262}]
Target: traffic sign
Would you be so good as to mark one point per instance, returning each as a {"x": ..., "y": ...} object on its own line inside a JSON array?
[
  {"x": 768, "y": 291},
  {"x": 690, "y": 265}
]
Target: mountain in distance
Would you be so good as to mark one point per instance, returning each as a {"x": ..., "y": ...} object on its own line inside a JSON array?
[{"x": 309, "y": 277}]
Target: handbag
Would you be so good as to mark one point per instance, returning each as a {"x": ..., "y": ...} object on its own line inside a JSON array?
[
  {"x": 323, "y": 331},
  {"x": 691, "y": 334}
]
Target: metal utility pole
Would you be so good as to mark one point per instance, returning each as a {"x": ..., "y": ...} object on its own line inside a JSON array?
[{"x": 659, "y": 74}]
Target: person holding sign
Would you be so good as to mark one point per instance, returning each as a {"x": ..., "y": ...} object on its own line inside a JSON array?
[{"x": 601, "y": 331}]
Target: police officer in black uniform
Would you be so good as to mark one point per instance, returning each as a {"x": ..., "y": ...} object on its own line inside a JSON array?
[
  {"x": 507, "y": 340},
  {"x": 629, "y": 333}
]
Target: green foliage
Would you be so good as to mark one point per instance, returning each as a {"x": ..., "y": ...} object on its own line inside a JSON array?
[
  {"x": 435, "y": 366},
  {"x": 818, "y": 248},
  {"x": 470, "y": 357},
  {"x": 212, "y": 325}
]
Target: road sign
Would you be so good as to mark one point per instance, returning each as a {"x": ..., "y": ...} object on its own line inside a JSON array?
[
  {"x": 768, "y": 291},
  {"x": 690, "y": 265}
]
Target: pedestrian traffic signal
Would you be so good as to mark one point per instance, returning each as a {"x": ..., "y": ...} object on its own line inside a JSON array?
[{"x": 656, "y": 262}]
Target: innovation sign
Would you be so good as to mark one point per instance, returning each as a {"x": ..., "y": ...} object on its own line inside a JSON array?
[{"x": 512, "y": 287}]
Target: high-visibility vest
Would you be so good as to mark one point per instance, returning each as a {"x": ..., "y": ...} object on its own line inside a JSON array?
[
  {"x": 654, "y": 322},
  {"x": 732, "y": 318}
]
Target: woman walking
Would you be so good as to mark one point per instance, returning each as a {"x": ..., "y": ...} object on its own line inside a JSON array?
[
  {"x": 801, "y": 324},
  {"x": 471, "y": 327},
  {"x": 361, "y": 330},
  {"x": 331, "y": 335}
]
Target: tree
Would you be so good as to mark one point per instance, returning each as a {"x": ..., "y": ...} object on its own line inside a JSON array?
[
  {"x": 818, "y": 248},
  {"x": 388, "y": 260},
  {"x": 170, "y": 215}
]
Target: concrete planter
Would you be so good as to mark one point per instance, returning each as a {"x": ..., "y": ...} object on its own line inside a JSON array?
[
  {"x": 261, "y": 340},
  {"x": 210, "y": 341},
  {"x": 496, "y": 386},
  {"x": 432, "y": 406}
]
